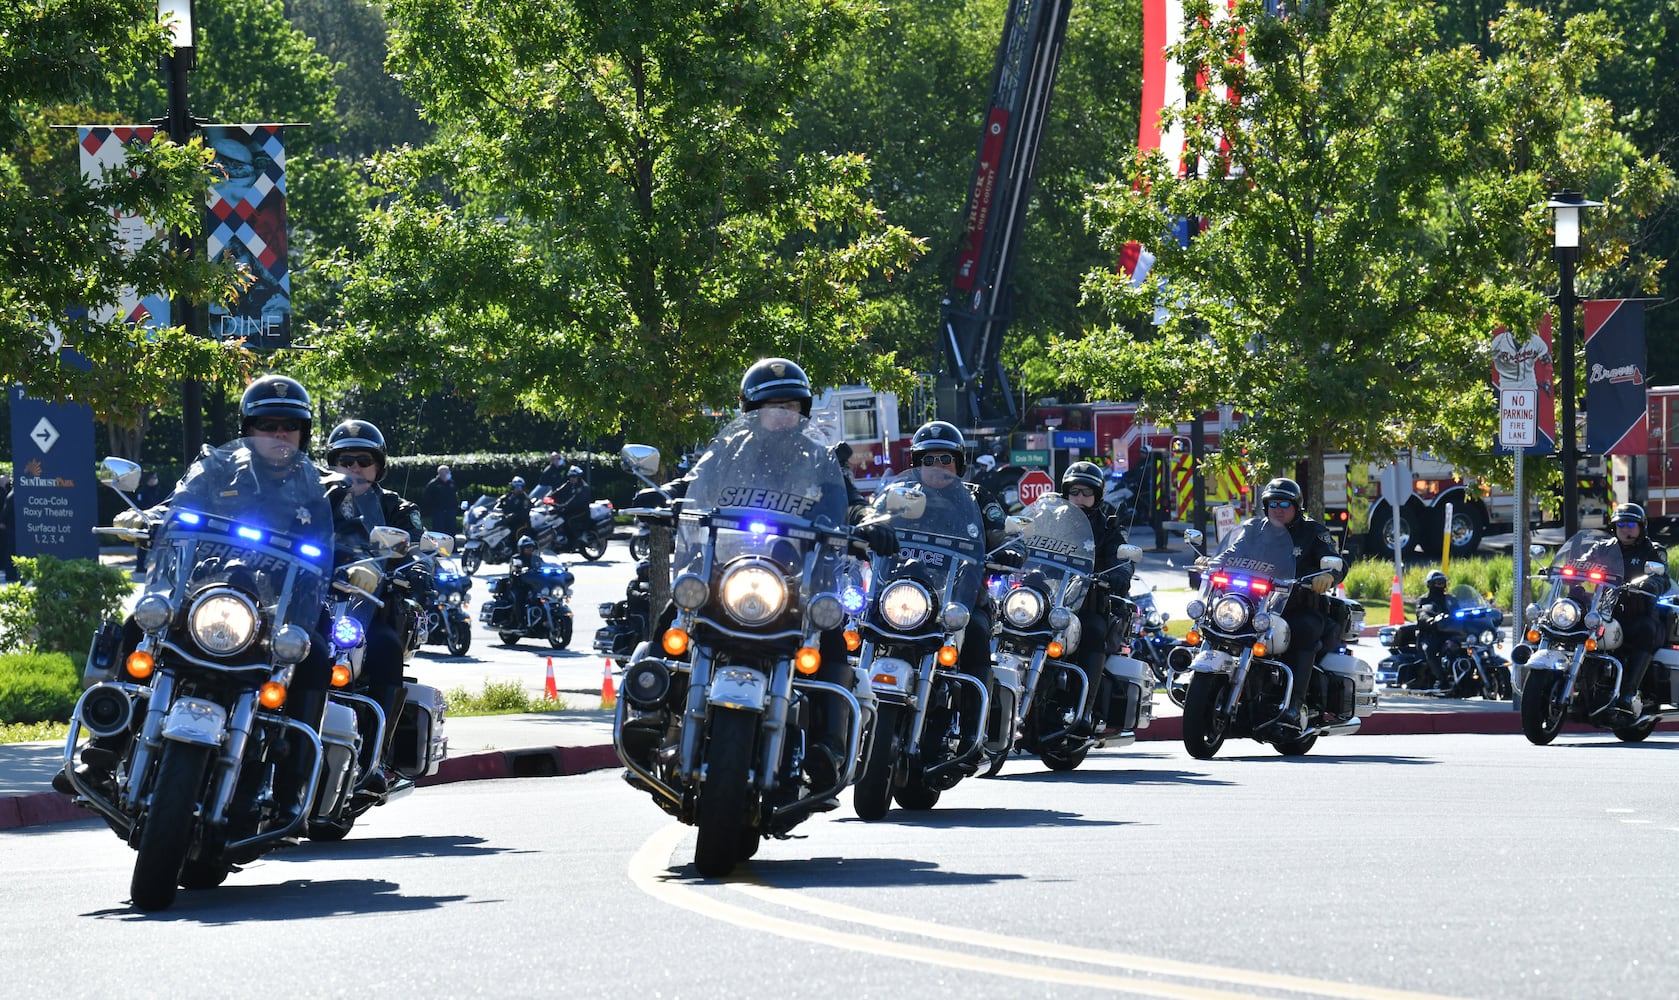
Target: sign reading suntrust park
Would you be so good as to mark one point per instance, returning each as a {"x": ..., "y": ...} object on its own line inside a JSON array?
[{"x": 54, "y": 496}]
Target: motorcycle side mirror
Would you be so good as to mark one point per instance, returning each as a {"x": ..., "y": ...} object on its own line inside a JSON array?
[
  {"x": 1537, "y": 551},
  {"x": 1331, "y": 564},
  {"x": 1655, "y": 567},
  {"x": 386, "y": 540},
  {"x": 641, "y": 458},
  {"x": 120, "y": 474},
  {"x": 437, "y": 542},
  {"x": 1130, "y": 553},
  {"x": 907, "y": 502},
  {"x": 1193, "y": 537},
  {"x": 1017, "y": 524}
]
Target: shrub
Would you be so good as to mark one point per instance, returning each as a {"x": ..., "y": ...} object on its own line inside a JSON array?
[
  {"x": 499, "y": 698},
  {"x": 57, "y": 604},
  {"x": 37, "y": 687}
]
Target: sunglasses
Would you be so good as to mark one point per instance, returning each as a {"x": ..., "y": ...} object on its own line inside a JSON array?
[
  {"x": 1627, "y": 524},
  {"x": 355, "y": 461},
  {"x": 1081, "y": 491},
  {"x": 1278, "y": 504},
  {"x": 270, "y": 426},
  {"x": 938, "y": 460}
]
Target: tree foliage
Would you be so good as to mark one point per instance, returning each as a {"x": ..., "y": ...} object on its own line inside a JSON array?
[
  {"x": 605, "y": 229},
  {"x": 1372, "y": 213}
]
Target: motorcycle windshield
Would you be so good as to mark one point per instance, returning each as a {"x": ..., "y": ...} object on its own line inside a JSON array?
[
  {"x": 549, "y": 570},
  {"x": 770, "y": 477},
  {"x": 1473, "y": 613},
  {"x": 1256, "y": 557},
  {"x": 1060, "y": 546},
  {"x": 1586, "y": 564},
  {"x": 251, "y": 516},
  {"x": 940, "y": 531}
]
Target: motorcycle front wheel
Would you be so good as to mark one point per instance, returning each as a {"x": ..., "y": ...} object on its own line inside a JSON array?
[
  {"x": 1055, "y": 760},
  {"x": 167, "y": 834},
  {"x": 1204, "y": 725},
  {"x": 508, "y": 638},
  {"x": 592, "y": 545},
  {"x": 873, "y": 795},
  {"x": 460, "y": 638},
  {"x": 640, "y": 547},
  {"x": 471, "y": 559},
  {"x": 559, "y": 633},
  {"x": 1541, "y": 718},
  {"x": 724, "y": 797}
]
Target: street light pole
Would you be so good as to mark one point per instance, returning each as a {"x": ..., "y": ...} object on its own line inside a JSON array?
[
  {"x": 177, "y": 15},
  {"x": 1567, "y": 205}
]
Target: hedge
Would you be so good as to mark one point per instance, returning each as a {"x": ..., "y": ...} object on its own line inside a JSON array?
[
  {"x": 38, "y": 687},
  {"x": 56, "y": 605}
]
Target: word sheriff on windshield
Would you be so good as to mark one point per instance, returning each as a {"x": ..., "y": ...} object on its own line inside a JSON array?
[{"x": 775, "y": 501}]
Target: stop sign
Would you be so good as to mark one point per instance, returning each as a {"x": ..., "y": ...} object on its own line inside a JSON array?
[{"x": 1034, "y": 485}]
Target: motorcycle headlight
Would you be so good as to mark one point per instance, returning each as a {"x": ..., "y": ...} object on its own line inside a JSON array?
[
  {"x": 1565, "y": 615},
  {"x": 223, "y": 622},
  {"x": 454, "y": 597},
  {"x": 1230, "y": 613},
  {"x": 753, "y": 594},
  {"x": 1488, "y": 638},
  {"x": 689, "y": 591},
  {"x": 1195, "y": 609},
  {"x": 151, "y": 612},
  {"x": 347, "y": 633},
  {"x": 1023, "y": 607},
  {"x": 290, "y": 644},
  {"x": 556, "y": 593},
  {"x": 955, "y": 617},
  {"x": 1059, "y": 617},
  {"x": 905, "y": 605},
  {"x": 826, "y": 612}
]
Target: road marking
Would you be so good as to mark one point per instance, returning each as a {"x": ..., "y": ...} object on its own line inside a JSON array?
[{"x": 649, "y": 870}]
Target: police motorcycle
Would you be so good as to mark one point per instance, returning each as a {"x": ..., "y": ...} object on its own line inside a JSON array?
[
  {"x": 377, "y": 586},
  {"x": 1569, "y": 668},
  {"x": 1240, "y": 686},
  {"x": 489, "y": 534},
  {"x": 625, "y": 623},
  {"x": 548, "y": 526},
  {"x": 1039, "y": 631},
  {"x": 1469, "y": 659},
  {"x": 1152, "y": 644},
  {"x": 446, "y": 606},
  {"x": 545, "y": 612},
  {"x": 207, "y": 773},
  {"x": 716, "y": 721},
  {"x": 930, "y": 725}
]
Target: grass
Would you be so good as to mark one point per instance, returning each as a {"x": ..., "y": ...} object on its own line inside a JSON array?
[
  {"x": 500, "y": 698},
  {"x": 33, "y": 732}
]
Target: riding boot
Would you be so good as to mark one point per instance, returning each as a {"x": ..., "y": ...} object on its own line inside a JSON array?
[
  {"x": 391, "y": 698},
  {"x": 1637, "y": 665},
  {"x": 308, "y": 707},
  {"x": 1296, "y": 697}
]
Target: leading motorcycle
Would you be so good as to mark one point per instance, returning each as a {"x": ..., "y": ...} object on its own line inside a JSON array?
[
  {"x": 1570, "y": 667},
  {"x": 930, "y": 718},
  {"x": 206, "y": 772},
  {"x": 1240, "y": 684},
  {"x": 719, "y": 729}
]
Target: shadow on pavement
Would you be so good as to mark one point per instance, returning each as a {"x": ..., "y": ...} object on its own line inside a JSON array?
[
  {"x": 995, "y": 817},
  {"x": 298, "y": 898},
  {"x": 1112, "y": 777},
  {"x": 817, "y": 873},
  {"x": 352, "y": 848}
]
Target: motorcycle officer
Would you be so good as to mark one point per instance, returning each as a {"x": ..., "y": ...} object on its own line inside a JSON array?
[
  {"x": 1433, "y": 607},
  {"x": 1284, "y": 506},
  {"x": 1082, "y": 485},
  {"x": 572, "y": 500},
  {"x": 356, "y": 450},
  {"x": 518, "y": 588},
  {"x": 781, "y": 390},
  {"x": 516, "y": 505},
  {"x": 1642, "y": 624}
]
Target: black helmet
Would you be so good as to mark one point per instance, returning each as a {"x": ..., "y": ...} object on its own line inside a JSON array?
[
  {"x": 1629, "y": 512},
  {"x": 939, "y": 435},
  {"x": 1435, "y": 580},
  {"x": 772, "y": 379},
  {"x": 277, "y": 396},
  {"x": 1083, "y": 474},
  {"x": 356, "y": 435},
  {"x": 574, "y": 472},
  {"x": 1283, "y": 489},
  {"x": 518, "y": 481},
  {"x": 526, "y": 541}
]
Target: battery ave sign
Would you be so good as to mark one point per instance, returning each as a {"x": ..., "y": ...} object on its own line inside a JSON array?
[{"x": 1518, "y": 417}]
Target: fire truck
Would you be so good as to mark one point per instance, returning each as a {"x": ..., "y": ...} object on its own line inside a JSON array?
[
  {"x": 867, "y": 421},
  {"x": 1652, "y": 479}
]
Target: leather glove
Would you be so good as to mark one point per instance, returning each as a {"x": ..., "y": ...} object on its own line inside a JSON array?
[
  {"x": 134, "y": 524},
  {"x": 1324, "y": 583},
  {"x": 1010, "y": 557},
  {"x": 882, "y": 540},
  {"x": 649, "y": 498}
]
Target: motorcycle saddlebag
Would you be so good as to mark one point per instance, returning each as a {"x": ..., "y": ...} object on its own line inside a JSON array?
[
  {"x": 1131, "y": 705},
  {"x": 1666, "y": 666},
  {"x": 419, "y": 745},
  {"x": 1349, "y": 677}
]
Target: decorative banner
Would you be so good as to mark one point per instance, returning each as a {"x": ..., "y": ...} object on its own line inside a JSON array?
[
  {"x": 1617, "y": 413},
  {"x": 245, "y": 220},
  {"x": 1527, "y": 365},
  {"x": 103, "y": 149}
]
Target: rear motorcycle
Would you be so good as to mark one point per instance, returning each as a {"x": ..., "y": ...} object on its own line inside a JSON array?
[
  {"x": 490, "y": 535},
  {"x": 206, "y": 772},
  {"x": 1468, "y": 652},
  {"x": 1240, "y": 685},
  {"x": 587, "y": 537},
  {"x": 719, "y": 730},
  {"x": 1062, "y": 719},
  {"x": 930, "y": 718},
  {"x": 625, "y": 623},
  {"x": 545, "y": 612},
  {"x": 1569, "y": 668},
  {"x": 1152, "y": 644},
  {"x": 447, "y": 605}
]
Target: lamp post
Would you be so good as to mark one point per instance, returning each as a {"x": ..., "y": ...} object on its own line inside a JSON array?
[
  {"x": 1567, "y": 205},
  {"x": 177, "y": 16}
]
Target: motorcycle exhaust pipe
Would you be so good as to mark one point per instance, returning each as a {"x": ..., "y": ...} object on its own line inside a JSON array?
[
  {"x": 106, "y": 711},
  {"x": 646, "y": 684}
]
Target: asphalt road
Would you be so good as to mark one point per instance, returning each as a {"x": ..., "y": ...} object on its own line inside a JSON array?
[{"x": 1382, "y": 867}]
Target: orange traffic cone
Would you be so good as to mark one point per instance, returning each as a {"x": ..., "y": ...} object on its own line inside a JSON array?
[
  {"x": 608, "y": 694},
  {"x": 1396, "y": 604},
  {"x": 549, "y": 691}
]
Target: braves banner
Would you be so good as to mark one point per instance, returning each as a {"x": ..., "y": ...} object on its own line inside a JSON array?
[
  {"x": 246, "y": 223},
  {"x": 104, "y": 149},
  {"x": 1617, "y": 413},
  {"x": 1526, "y": 364}
]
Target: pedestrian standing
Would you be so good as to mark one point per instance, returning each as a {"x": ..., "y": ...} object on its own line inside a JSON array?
[
  {"x": 7, "y": 572},
  {"x": 149, "y": 495},
  {"x": 438, "y": 503}
]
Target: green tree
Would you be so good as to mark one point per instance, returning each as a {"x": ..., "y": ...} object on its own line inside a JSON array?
[
  {"x": 1371, "y": 208},
  {"x": 605, "y": 230},
  {"x": 373, "y": 112}
]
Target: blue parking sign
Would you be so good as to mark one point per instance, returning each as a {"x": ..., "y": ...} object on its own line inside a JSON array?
[{"x": 55, "y": 497}]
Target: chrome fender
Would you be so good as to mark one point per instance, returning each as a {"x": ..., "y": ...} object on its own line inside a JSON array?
[
  {"x": 738, "y": 687},
  {"x": 194, "y": 720}
]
